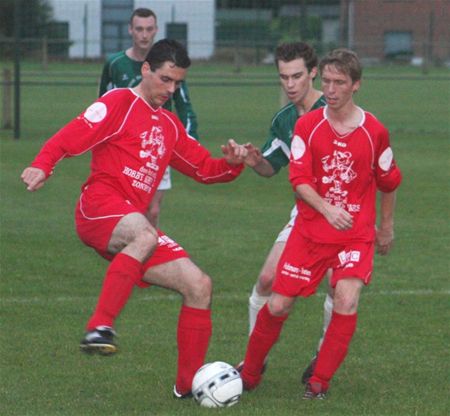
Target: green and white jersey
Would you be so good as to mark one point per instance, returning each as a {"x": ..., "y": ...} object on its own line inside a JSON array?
[
  {"x": 277, "y": 148},
  {"x": 120, "y": 71}
]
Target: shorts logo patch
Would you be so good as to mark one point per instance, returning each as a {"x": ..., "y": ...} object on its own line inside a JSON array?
[{"x": 347, "y": 258}]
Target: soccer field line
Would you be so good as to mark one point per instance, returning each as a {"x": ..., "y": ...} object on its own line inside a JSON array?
[{"x": 225, "y": 296}]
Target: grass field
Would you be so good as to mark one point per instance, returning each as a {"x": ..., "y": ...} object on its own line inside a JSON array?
[{"x": 399, "y": 359}]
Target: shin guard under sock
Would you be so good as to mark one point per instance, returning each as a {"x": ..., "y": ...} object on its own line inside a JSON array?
[
  {"x": 193, "y": 334},
  {"x": 334, "y": 348},
  {"x": 265, "y": 334},
  {"x": 121, "y": 276}
]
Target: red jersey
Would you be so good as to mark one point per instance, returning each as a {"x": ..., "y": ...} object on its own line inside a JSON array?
[
  {"x": 132, "y": 144},
  {"x": 345, "y": 170}
]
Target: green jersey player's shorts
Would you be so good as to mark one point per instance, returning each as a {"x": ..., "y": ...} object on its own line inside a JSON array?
[{"x": 284, "y": 233}]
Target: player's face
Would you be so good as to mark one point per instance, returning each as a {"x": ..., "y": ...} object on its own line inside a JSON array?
[
  {"x": 295, "y": 79},
  {"x": 158, "y": 86},
  {"x": 143, "y": 31},
  {"x": 338, "y": 87}
]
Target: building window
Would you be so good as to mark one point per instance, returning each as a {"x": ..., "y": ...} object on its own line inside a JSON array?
[{"x": 398, "y": 45}]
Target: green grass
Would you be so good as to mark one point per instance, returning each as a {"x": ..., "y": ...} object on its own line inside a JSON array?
[{"x": 398, "y": 362}]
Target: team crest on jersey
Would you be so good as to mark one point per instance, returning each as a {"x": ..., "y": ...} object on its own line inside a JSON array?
[
  {"x": 338, "y": 168},
  {"x": 153, "y": 147}
]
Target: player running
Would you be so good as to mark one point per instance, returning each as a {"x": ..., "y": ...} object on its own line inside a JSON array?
[
  {"x": 340, "y": 157},
  {"x": 297, "y": 68}
]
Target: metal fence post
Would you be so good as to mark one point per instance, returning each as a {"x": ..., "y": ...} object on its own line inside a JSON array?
[{"x": 6, "y": 102}]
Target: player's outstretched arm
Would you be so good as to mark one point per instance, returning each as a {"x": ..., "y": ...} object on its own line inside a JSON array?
[
  {"x": 385, "y": 229},
  {"x": 257, "y": 162},
  {"x": 234, "y": 153},
  {"x": 34, "y": 178}
]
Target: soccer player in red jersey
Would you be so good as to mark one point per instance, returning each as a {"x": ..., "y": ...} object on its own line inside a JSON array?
[
  {"x": 132, "y": 140},
  {"x": 340, "y": 157}
]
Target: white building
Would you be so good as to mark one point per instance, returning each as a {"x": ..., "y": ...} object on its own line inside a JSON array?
[{"x": 99, "y": 27}]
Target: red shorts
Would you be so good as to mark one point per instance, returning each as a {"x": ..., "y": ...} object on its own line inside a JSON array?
[
  {"x": 303, "y": 264},
  {"x": 97, "y": 214}
]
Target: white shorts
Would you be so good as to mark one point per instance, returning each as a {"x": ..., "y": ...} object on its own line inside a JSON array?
[
  {"x": 166, "y": 182},
  {"x": 284, "y": 233}
]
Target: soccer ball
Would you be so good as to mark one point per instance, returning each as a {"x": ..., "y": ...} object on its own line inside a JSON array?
[{"x": 217, "y": 384}]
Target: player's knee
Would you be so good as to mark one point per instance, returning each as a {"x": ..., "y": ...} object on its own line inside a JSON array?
[
  {"x": 264, "y": 285},
  {"x": 345, "y": 303},
  {"x": 279, "y": 306},
  {"x": 198, "y": 291},
  {"x": 147, "y": 239}
]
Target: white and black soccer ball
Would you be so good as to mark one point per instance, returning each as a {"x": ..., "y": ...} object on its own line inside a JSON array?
[{"x": 217, "y": 384}]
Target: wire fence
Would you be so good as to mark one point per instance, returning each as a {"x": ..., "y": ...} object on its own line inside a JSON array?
[{"x": 39, "y": 44}]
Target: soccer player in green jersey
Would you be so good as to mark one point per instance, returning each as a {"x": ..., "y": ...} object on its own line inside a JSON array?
[
  {"x": 297, "y": 67},
  {"x": 123, "y": 70}
]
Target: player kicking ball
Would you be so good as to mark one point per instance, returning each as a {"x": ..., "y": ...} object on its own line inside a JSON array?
[{"x": 132, "y": 140}]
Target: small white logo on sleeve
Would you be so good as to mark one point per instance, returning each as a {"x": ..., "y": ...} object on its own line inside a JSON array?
[
  {"x": 297, "y": 147},
  {"x": 385, "y": 159},
  {"x": 95, "y": 112}
]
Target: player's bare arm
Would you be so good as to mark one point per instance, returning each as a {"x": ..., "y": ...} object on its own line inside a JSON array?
[
  {"x": 34, "y": 178},
  {"x": 257, "y": 162},
  {"x": 234, "y": 153},
  {"x": 385, "y": 230},
  {"x": 338, "y": 217}
]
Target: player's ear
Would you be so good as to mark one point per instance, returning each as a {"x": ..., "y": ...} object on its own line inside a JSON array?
[
  {"x": 145, "y": 68},
  {"x": 356, "y": 86},
  {"x": 313, "y": 73}
]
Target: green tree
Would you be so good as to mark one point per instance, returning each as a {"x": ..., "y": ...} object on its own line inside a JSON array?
[{"x": 34, "y": 17}]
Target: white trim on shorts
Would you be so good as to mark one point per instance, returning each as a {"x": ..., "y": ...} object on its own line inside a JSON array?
[
  {"x": 284, "y": 233},
  {"x": 166, "y": 181}
]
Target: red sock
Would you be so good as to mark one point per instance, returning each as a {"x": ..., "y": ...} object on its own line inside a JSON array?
[
  {"x": 265, "y": 334},
  {"x": 193, "y": 333},
  {"x": 121, "y": 276},
  {"x": 334, "y": 348}
]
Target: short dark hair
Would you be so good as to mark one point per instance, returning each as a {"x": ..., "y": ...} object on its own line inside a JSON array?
[
  {"x": 287, "y": 52},
  {"x": 167, "y": 50},
  {"x": 345, "y": 61},
  {"x": 142, "y": 12}
]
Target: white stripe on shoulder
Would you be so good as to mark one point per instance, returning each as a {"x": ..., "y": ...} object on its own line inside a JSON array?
[
  {"x": 324, "y": 118},
  {"x": 173, "y": 124},
  {"x": 275, "y": 145}
]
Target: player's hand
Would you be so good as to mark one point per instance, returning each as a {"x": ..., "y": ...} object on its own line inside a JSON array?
[
  {"x": 234, "y": 153},
  {"x": 338, "y": 217},
  {"x": 34, "y": 178},
  {"x": 254, "y": 156},
  {"x": 384, "y": 239}
]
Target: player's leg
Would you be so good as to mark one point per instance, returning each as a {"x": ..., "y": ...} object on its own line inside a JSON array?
[
  {"x": 265, "y": 334},
  {"x": 327, "y": 311},
  {"x": 348, "y": 282},
  {"x": 154, "y": 209},
  {"x": 338, "y": 336},
  {"x": 132, "y": 241},
  {"x": 194, "y": 323},
  {"x": 263, "y": 287}
]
